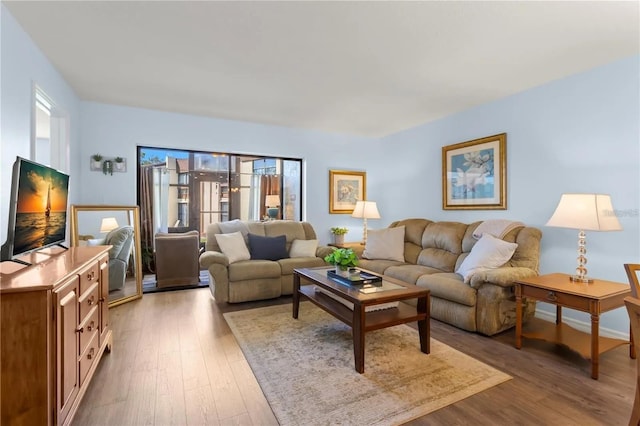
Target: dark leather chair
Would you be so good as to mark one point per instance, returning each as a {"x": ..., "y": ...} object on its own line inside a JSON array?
[{"x": 177, "y": 259}]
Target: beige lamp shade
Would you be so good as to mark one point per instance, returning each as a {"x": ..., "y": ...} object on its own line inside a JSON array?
[
  {"x": 366, "y": 210},
  {"x": 588, "y": 212},
  {"x": 585, "y": 212},
  {"x": 272, "y": 201},
  {"x": 108, "y": 224}
]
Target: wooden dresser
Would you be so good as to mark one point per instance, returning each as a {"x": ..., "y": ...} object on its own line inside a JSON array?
[{"x": 54, "y": 328}]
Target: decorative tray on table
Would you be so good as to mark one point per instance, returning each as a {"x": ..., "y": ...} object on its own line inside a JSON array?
[{"x": 355, "y": 278}]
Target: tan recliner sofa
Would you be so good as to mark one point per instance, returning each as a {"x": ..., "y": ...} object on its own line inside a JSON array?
[
  {"x": 256, "y": 279},
  {"x": 434, "y": 250}
]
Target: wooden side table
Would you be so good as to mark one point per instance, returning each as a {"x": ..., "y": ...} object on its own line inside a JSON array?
[
  {"x": 347, "y": 245},
  {"x": 595, "y": 298},
  {"x": 358, "y": 248}
]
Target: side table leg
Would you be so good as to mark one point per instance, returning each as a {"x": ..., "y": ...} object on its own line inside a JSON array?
[
  {"x": 296, "y": 295},
  {"x": 595, "y": 340},
  {"x": 358, "y": 337},
  {"x": 518, "y": 316}
]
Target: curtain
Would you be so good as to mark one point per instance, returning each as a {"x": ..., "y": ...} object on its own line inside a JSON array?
[
  {"x": 146, "y": 216},
  {"x": 269, "y": 185}
]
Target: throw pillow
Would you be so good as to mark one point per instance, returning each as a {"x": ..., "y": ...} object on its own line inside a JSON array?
[
  {"x": 488, "y": 253},
  {"x": 95, "y": 242},
  {"x": 268, "y": 248},
  {"x": 303, "y": 248},
  {"x": 235, "y": 225},
  {"x": 233, "y": 246},
  {"x": 385, "y": 244}
]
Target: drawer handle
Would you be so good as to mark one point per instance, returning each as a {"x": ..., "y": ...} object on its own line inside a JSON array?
[
  {"x": 90, "y": 354},
  {"x": 91, "y": 300},
  {"x": 80, "y": 330},
  {"x": 90, "y": 326},
  {"x": 552, "y": 296}
]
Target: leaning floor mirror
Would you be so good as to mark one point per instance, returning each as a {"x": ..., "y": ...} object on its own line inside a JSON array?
[{"x": 118, "y": 226}]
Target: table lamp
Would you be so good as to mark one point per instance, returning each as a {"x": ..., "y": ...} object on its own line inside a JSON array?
[
  {"x": 272, "y": 202},
  {"x": 365, "y": 210},
  {"x": 108, "y": 224},
  {"x": 584, "y": 212}
]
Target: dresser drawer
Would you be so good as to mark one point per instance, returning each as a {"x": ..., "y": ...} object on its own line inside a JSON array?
[
  {"x": 562, "y": 299},
  {"x": 88, "y": 356},
  {"x": 88, "y": 328},
  {"x": 88, "y": 300},
  {"x": 89, "y": 276}
]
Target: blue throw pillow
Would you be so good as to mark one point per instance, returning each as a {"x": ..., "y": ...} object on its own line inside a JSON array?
[{"x": 268, "y": 248}]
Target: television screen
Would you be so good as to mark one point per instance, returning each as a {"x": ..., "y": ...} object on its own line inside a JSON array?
[{"x": 38, "y": 210}]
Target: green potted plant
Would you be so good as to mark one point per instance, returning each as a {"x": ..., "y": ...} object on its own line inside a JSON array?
[
  {"x": 119, "y": 163},
  {"x": 96, "y": 160},
  {"x": 342, "y": 258},
  {"x": 338, "y": 235},
  {"x": 107, "y": 167}
]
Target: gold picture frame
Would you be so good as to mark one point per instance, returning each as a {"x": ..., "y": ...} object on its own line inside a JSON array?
[
  {"x": 345, "y": 188},
  {"x": 474, "y": 174}
]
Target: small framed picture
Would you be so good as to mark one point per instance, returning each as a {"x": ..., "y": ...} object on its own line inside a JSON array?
[
  {"x": 474, "y": 174},
  {"x": 345, "y": 189}
]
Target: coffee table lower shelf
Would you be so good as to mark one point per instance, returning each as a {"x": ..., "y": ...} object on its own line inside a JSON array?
[{"x": 375, "y": 320}]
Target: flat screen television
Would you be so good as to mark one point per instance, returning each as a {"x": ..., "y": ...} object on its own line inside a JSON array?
[{"x": 38, "y": 209}]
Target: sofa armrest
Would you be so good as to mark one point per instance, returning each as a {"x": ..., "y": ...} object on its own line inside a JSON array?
[
  {"x": 117, "y": 273},
  {"x": 209, "y": 258},
  {"x": 503, "y": 277},
  {"x": 358, "y": 249},
  {"x": 323, "y": 251}
]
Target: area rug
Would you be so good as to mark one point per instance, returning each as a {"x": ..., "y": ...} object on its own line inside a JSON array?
[{"x": 305, "y": 368}]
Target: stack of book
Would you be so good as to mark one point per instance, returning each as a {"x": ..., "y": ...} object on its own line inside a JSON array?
[{"x": 357, "y": 278}]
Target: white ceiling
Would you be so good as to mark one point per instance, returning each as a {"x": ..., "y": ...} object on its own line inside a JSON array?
[{"x": 366, "y": 68}]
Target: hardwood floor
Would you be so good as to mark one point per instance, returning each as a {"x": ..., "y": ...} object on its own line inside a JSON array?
[{"x": 175, "y": 362}]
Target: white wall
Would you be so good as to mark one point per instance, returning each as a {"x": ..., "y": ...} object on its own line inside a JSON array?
[
  {"x": 21, "y": 65},
  {"x": 577, "y": 134}
]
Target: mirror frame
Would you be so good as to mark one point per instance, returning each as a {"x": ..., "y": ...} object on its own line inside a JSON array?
[{"x": 76, "y": 208}]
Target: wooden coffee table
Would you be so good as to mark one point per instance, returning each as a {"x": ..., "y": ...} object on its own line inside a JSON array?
[{"x": 357, "y": 318}]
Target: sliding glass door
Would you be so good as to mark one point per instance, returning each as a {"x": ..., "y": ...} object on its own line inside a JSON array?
[{"x": 188, "y": 190}]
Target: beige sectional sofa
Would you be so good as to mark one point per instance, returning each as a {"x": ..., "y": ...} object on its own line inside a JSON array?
[
  {"x": 433, "y": 251},
  {"x": 257, "y": 279}
]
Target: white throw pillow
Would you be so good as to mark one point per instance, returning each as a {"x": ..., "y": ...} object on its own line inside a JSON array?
[
  {"x": 303, "y": 248},
  {"x": 385, "y": 243},
  {"x": 488, "y": 253},
  {"x": 233, "y": 246},
  {"x": 95, "y": 242},
  {"x": 235, "y": 225}
]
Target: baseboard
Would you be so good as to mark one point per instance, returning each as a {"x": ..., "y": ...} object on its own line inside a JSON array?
[{"x": 581, "y": 325}]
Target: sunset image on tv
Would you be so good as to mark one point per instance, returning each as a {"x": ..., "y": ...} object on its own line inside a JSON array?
[{"x": 41, "y": 210}]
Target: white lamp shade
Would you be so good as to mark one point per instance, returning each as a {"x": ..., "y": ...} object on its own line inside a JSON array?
[
  {"x": 108, "y": 224},
  {"x": 366, "y": 210},
  {"x": 272, "y": 201},
  {"x": 589, "y": 212}
]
